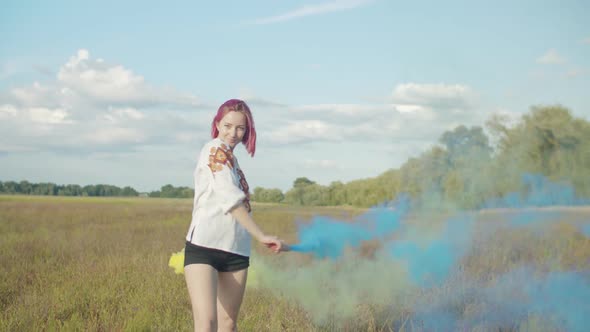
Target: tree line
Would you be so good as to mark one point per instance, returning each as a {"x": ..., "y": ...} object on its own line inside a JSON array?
[
  {"x": 47, "y": 188},
  {"x": 464, "y": 169},
  {"x": 51, "y": 189}
]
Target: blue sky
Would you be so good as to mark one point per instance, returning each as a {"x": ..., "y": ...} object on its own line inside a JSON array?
[{"x": 123, "y": 92}]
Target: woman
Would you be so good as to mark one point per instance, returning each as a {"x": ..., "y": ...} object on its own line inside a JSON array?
[{"x": 218, "y": 240}]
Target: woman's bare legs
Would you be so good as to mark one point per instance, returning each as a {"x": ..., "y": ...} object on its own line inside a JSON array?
[
  {"x": 201, "y": 280},
  {"x": 230, "y": 292}
]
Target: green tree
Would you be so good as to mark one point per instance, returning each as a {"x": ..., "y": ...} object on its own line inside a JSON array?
[
  {"x": 267, "y": 195},
  {"x": 128, "y": 191},
  {"x": 548, "y": 140},
  {"x": 469, "y": 155},
  {"x": 296, "y": 194}
]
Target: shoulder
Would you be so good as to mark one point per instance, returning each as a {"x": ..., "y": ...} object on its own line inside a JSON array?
[
  {"x": 219, "y": 154},
  {"x": 213, "y": 145}
]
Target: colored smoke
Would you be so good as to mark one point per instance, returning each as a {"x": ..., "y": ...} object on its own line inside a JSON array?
[{"x": 513, "y": 264}]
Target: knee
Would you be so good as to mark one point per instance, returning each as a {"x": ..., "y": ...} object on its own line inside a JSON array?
[
  {"x": 207, "y": 324},
  {"x": 227, "y": 324}
]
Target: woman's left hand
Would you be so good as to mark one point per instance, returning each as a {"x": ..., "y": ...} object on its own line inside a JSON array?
[{"x": 274, "y": 243}]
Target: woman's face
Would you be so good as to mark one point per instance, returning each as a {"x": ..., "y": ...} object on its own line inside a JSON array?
[{"x": 232, "y": 128}]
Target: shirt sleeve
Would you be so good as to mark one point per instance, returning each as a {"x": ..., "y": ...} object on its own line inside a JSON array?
[{"x": 225, "y": 185}]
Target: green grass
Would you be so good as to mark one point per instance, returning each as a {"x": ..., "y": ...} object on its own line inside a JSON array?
[
  {"x": 86, "y": 263},
  {"x": 101, "y": 264}
]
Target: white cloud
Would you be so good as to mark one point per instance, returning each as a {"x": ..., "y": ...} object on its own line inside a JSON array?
[
  {"x": 49, "y": 116},
  {"x": 325, "y": 122},
  {"x": 551, "y": 57},
  {"x": 107, "y": 84},
  {"x": 117, "y": 115},
  {"x": 409, "y": 108},
  {"x": 104, "y": 106},
  {"x": 253, "y": 100},
  {"x": 586, "y": 41},
  {"x": 349, "y": 116},
  {"x": 304, "y": 131},
  {"x": 7, "y": 110},
  {"x": 36, "y": 95},
  {"x": 309, "y": 10},
  {"x": 352, "y": 110},
  {"x": 116, "y": 135},
  {"x": 409, "y": 96},
  {"x": 81, "y": 112},
  {"x": 416, "y": 112},
  {"x": 99, "y": 80}
]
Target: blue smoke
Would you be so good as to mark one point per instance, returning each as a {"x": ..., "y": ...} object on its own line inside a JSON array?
[
  {"x": 557, "y": 297},
  {"x": 328, "y": 238},
  {"x": 427, "y": 267},
  {"x": 560, "y": 298},
  {"x": 431, "y": 265},
  {"x": 565, "y": 295},
  {"x": 539, "y": 192},
  {"x": 525, "y": 218}
]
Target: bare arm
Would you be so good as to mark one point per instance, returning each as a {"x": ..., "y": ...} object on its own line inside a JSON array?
[{"x": 241, "y": 214}]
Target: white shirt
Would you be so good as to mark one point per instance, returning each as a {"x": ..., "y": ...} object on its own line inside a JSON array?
[{"x": 220, "y": 185}]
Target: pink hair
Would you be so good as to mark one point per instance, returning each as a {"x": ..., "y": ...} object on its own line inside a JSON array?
[{"x": 237, "y": 105}]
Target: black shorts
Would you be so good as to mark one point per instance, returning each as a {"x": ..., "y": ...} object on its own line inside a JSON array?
[{"x": 220, "y": 260}]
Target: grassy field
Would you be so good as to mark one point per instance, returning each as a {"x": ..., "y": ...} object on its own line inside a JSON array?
[{"x": 101, "y": 264}]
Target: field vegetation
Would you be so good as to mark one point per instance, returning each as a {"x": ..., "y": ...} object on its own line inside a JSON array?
[{"x": 101, "y": 264}]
